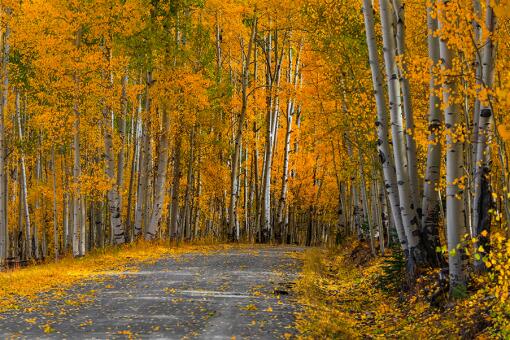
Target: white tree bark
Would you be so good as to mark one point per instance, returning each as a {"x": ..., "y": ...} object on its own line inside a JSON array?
[
  {"x": 390, "y": 181},
  {"x": 76, "y": 164},
  {"x": 455, "y": 214},
  {"x": 143, "y": 171},
  {"x": 409, "y": 216},
  {"x": 55, "y": 217},
  {"x": 407, "y": 107},
  {"x": 23, "y": 182},
  {"x": 239, "y": 133},
  {"x": 292, "y": 78},
  {"x": 160, "y": 186},
  {"x": 482, "y": 197},
  {"x": 272, "y": 103},
  {"x": 174, "y": 211},
  {"x": 430, "y": 203},
  {"x": 117, "y": 228}
]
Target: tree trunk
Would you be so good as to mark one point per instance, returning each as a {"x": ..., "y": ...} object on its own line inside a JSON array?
[
  {"x": 409, "y": 217},
  {"x": 390, "y": 181},
  {"x": 239, "y": 133},
  {"x": 160, "y": 185},
  {"x": 174, "y": 232},
  {"x": 408, "y": 108},
  {"x": 430, "y": 203},
  {"x": 143, "y": 171},
  {"x": 76, "y": 163},
  {"x": 117, "y": 228},
  {"x": 55, "y": 217},
  {"x": 482, "y": 198},
  {"x": 455, "y": 214}
]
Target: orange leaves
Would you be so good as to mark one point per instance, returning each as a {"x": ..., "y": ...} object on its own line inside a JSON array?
[{"x": 504, "y": 132}]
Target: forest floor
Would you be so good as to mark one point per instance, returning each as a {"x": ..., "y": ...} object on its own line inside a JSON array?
[
  {"x": 205, "y": 292},
  {"x": 346, "y": 293}
]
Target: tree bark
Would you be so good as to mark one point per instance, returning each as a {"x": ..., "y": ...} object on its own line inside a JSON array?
[
  {"x": 239, "y": 133},
  {"x": 482, "y": 198},
  {"x": 430, "y": 203},
  {"x": 390, "y": 181},
  {"x": 160, "y": 185},
  {"x": 409, "y": 217},
  {"x": 455, "y": 214},
  {"x": 174, "y": 232}
]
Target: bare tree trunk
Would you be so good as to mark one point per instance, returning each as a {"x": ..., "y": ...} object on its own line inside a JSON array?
[
  {"x": 83, "y": 234},
  {"x": 134, "y": 162},
  {"x": 76, "y": 163},
  {"x": 292, "y": 78},
  {"x": 122, "y": 133},
  {"x": 390, "y": 181},
  {"x": 240, "y": 125},
  {"x": 408, "y": 108},
  {"x": 117, "y": 228},
  {"x": 174, "y": 232},
  {"x": 23, "y": 182},
  {"x": 455, "y": 214},
  {"x": 430, "y": 203},
  {"x": 482, "y": 198},
  {"x": 143, "y": 171},
  {"x": 409, "y": 216},
  {"x": 364, "y": 198},
  {"x": 272, "y": 103},
  {"x": 160, "y": 185},
  {"x": 55, "y": 217},
  {"x": 189, "y": 187}
]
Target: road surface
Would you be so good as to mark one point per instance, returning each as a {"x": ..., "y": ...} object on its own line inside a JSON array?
[{"x": 241, "y": 293}]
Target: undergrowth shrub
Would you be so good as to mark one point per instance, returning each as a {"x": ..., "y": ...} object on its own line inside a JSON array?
[{"x": 393, "y": 276}]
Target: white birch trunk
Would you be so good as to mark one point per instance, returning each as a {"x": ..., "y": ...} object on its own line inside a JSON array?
[
  {"x": 239, "y": 133},
  {"x": 76, "y": 164},
  {"x": 482, "y": 196},
  {"x": 430, "y": 203},
  {"x": 174, "y": 211},
  {"x": 117, "y": 227},
  {"x": 55, "y": 217},
  {"x": 407, "y": 107},
  {"x": 409, "y": 216},
  {"x": 390, "y": 181},
  {"x": 24, "y": 191},
  {"x": 160, "y": 185},
  {"x": 143, "y": 171},
  {"x": 455, "y": 214}
]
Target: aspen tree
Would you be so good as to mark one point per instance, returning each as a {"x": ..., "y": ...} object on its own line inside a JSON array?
[
  {"x": 390, "y": 181},
  {"x": 409, "y": 216},
  {"x": 482, "y": 195},
  {"x": 240, "y": 125},
  {"x": 455, "y": 213},
  {"x": 160, "y": 178},
  {"x": 430, "y": 203}
]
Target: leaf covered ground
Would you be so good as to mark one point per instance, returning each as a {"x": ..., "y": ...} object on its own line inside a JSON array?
[
  {"x": 206, "y": 292},
  {"x": 21, "y": 286},
  {"x": 343, "y": 297}
]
